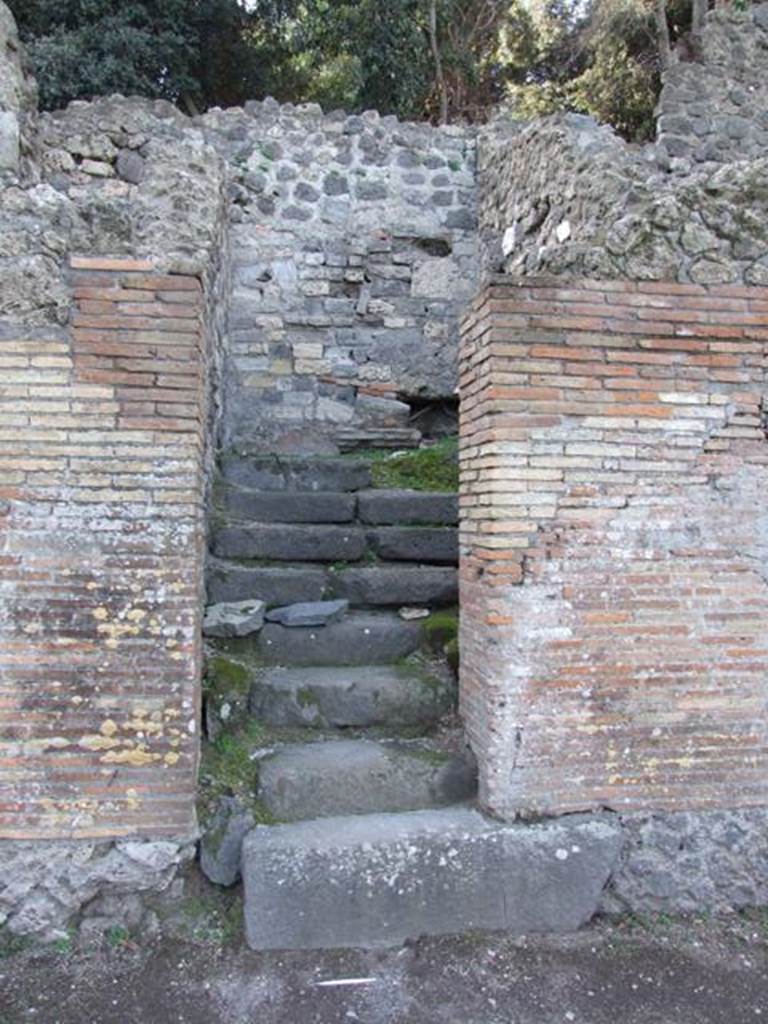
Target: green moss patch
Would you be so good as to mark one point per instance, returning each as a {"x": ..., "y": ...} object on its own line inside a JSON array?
[
  {"x": 424, "y": 469},
  {"x": 441, "y": 628},
  {"x": 223, "y": 675}
]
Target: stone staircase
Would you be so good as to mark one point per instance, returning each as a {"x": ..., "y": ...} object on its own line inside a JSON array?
[{"x": 365, "y": 780}]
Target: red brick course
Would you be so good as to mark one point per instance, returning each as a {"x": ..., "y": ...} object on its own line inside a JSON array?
[
  {"x": 101, "y": 498},
  {"x": 613, "y": 584}
]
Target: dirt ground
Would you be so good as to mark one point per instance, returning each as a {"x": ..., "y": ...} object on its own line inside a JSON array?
[{"x": 644, "y": 971}]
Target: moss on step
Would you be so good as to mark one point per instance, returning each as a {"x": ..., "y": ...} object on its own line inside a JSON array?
[
  {"x": 224, "y": 675},
  {"x": 441, "y": 628},
  {"x": 227, "y": 769},
  {"x": 424, "y": 469}
]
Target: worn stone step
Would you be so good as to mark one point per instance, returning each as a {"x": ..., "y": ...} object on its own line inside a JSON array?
[
  {"x": 282, "y": 507},
  {"x": 350, "y": 439},
  {"x": 416, "y": 544},
  {"x": 291, "y": 543},
  {"x": 378, "y": 879},
  {"x": 274, "y": 473},
  {"x": 387, "y": 585},
  {"x": 362, "y": 638},
  {"x": 387, "y": 508},
  {"x": 350, "y": 696},
  {"x": 275, "y": 585},
  {"x": 323, "y": 780}
]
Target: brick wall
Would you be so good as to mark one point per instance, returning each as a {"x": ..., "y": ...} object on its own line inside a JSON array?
[
  {"x": 101, "y": 493},
  {"x": 614, "y": 545}
]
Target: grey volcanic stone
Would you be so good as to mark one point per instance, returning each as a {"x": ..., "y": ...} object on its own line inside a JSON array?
[
  {"x": 271, "y": 507},
  {"x": 416, "y": 544},
  {"x": 229, "y": 620},
  {"x": 270, "y": 473},
  {"x": 364, "y": 638},
  {"x": 222, "y": 841},
  {"x": 414, "y": 507},
  {"x": 397, "y": 585},
  {"x": 682, "y": 862},
  {"x": 368, "y": 695},
  {"x": 379, "y": 879},
  {"x": 271, "y": 584},
  {"x": 10, "y": 141},
  {"x": 340, "y": 777},
  {"x": 130, "y": 166},
  {"x": 309, "y": 613},
  {"x": 291, "y": 543}
]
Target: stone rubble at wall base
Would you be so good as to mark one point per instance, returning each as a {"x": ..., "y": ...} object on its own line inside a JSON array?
[
  {"x": 669, "y": 863},
  {"x": 47, "y": 886}
]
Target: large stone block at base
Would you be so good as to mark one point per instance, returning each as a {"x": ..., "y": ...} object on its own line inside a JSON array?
[{"x": 377, "y": 880}]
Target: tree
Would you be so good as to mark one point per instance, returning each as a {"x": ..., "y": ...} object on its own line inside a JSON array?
[
  {"x": 604, "y": 59},
  {"x": 195, "y": 52}
]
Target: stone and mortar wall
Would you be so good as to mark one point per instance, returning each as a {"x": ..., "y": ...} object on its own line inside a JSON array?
[
  {"x": 565, "y": 197},
  {"x": 715, "y": 108},
  {"x": 353, "y": 250},
  {"x": 111, "y": 277}
]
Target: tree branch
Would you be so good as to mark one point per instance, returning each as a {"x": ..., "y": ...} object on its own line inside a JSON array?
[{"x": 439, "y": 73}]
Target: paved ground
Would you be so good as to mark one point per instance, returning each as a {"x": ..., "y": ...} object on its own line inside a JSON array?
[{"x": 653, "y": 971}]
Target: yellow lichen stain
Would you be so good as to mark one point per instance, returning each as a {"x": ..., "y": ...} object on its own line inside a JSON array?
[
  {"x": 136, "y": 758},
  {"x": 97, "y": 742},
  {"x": 136, "y": 615},
  {"x": 100, "y": 614},
  {"x": 132, "y": 801},
  {"x": 108, "y": 727},
  {"x": 172, "y": 713},
  {"x": 178, "y": 587},
  {"x": 170, "y": 642},
  {"x": 171, "y": 758},
  {"x": 144, "y": 725},
  {"x": 92, "y": 585}
]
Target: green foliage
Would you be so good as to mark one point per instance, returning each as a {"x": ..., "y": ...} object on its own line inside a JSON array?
[
  {"x": 424, "y": 469},
  {"x": 117, "y": 936},
  {"x": 595, "y": 56},
  {"x": 193, "y": 52},
  {"x": 599, "y": 59}
]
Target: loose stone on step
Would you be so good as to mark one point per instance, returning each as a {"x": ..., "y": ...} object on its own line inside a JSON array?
[
  {"x": 309, "y": 613},
  {"x": 233, "y": 620}
]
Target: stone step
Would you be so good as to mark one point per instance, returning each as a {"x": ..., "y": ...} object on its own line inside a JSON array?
[
  {"x": 340, "y": 777},
  {"x": 275, "y": 473},
  {"x": 336, "y": 696},
  {"x": 282, "y": 507},
  {"x": 416, "y": 544},
  {"x": 378, "y": 879},
  {"x": 362, "y": 638},
  {"x": 386, "y": 508},
  {"x": 291, "y": 543},
  {"x": 275, "y": 585},
  {"x": 350, "y": 439},
  {"x": 387, "y": 585}
]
